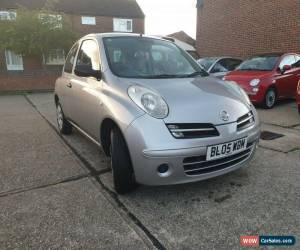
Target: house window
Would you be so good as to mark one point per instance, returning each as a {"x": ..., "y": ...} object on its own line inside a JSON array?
[
  {"x": 8, "y": 15},
  {"x": 55, "y": 57},
  {"x": 88, "y": 20},
  {"x": 55, "y": 20},
  {"x": 13, "y": 61},
  {"x": 122, "y": 25}
]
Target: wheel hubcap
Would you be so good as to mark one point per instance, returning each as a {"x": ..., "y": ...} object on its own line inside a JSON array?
[
  {"x": 270, "y": 98},
  {"x": 60, "y": 119}
]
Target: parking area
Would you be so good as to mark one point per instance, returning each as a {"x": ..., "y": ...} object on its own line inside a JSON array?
[{"x": 56, "y": 192}]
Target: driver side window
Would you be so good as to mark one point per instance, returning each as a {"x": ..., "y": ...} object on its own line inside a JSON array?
[
  {"x": 288, "y": 60},
  {"x": 297, "y": 64},
  {"x": 88, "y": 55}
]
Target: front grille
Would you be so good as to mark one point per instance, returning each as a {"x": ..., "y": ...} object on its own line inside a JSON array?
[
  {"x": 245, "y": 121},
  {"x": 198, "y": 165},
  {"x": 192, "y": 130}
]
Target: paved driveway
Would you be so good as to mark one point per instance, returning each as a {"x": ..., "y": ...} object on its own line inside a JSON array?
[{"x": 56, "y": 192}]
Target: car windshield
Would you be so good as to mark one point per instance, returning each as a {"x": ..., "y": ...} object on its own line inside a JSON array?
[
  {"x": 206, "y": 62},
  {"x": 140, "y": 57},
  {"x": 259, "y": 63}
]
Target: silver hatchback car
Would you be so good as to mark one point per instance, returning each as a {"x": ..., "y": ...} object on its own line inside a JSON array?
[{"x": 153, "y": 109}]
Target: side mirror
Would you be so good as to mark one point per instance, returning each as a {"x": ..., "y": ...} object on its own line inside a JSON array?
[
  {"x": 285, "y": 68},
  {"x": 87, "y": 71}
]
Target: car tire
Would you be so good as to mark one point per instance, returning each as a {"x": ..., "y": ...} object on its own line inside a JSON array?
[
  {"x": 270, "y": 98},
  {"x": 64, "y": 126},
  {"x": 123, "y": 174}
]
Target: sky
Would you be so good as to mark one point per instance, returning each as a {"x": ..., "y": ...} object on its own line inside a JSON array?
[{"x": 164, "y": 17}]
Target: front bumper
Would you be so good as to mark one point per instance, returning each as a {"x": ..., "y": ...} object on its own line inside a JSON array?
[{"x": 151, "y": 145}]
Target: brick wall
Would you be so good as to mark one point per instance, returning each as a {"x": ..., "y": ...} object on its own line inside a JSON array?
[
  {"x": 37, "y": 80},
  {"x": 244, "y": 28}
]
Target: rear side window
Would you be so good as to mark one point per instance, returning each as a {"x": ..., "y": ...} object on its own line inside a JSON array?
[
  {"x": 89, "y": 56},
  {"x": 231, "y": 64},
  {"x": 71, "y": 59},
  {"x": 225, "y": 65}
]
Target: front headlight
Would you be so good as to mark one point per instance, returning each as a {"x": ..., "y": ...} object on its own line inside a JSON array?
[
  {"x": 149, "y": 101},
  {"x": 240, "y": 91},
  {"x": 254, "y": 82},
  {"x": 245, "y": 95}
]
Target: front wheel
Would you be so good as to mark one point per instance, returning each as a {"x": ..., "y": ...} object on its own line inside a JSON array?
[
  {"x": 270, "y": 98},
  {"x": 123, "y": 174}
]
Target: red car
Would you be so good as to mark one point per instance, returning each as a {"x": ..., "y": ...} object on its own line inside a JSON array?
[
  {"x": 298, "y": 97},
  {"x": 269, "y": 77}
]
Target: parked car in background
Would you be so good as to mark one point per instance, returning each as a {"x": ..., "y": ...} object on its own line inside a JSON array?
[
  {"x": 183, "y": 45},
  {"x": 268, "y": 77},
  {"x": 298, "y": 96},
  {"x": 219, "y": 66},
  {"x": 146, "y": 102}
]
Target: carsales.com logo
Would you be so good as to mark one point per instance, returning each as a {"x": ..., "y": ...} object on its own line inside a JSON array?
[
  {"x": 256, "y": 241},
  {"x": 249, "y": 241}
]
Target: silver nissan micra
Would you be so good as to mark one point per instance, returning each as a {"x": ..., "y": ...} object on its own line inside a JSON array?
[{"x": 154, "y": 110}]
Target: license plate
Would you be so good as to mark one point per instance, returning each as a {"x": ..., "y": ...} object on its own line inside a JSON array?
[{"x": 226, "y": 149}]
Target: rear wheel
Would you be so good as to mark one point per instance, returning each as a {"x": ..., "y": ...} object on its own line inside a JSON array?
[
  {"x": 270, "y": 98},
  {"x": 123, "y": 174},
  {"x": 64, "y": 126}
]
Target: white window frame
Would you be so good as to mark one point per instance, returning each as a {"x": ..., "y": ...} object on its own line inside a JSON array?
[
  {"x": 8, "y": 15},
  {"x": 47, "y": 60},
  {"x": 9, "y": 61},
  {"x": 121, "y": 25},
  {"x": 88, "y": 20}
]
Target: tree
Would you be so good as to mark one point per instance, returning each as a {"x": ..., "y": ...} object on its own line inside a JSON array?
[{"x": 36, "y": 32}]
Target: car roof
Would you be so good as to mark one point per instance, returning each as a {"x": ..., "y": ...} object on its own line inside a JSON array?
[
  {"x": 220, "y": 57},
  {"x": 120, "y": 34},
  {"x": 270, "y": 54}
]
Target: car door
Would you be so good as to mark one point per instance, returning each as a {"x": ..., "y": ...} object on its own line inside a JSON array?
[
  {"x": 286, "y": 81},
  {"x": 86, "y": 91},
  {"x": 66, "y": 81},
  {"x": 224, "y": 66}
]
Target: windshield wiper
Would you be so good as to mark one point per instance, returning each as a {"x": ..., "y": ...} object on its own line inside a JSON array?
[
  {"x": 196, "y": 73},
  {"x": 166, "y": 76},
  {"x": 163, "y": 76}
]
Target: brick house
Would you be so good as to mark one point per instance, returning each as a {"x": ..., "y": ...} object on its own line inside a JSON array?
[
  {"x": 244, "y": 28},
  {"x": 88, "y": 16},
  {"x": 184, "y": 37}
]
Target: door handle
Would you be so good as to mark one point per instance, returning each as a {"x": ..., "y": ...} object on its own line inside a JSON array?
[{"x": 69, "y": 85}]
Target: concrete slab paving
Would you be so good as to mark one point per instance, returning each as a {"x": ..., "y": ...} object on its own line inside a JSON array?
[
  {"x": 213, "y": 214},
  {"x": 93, "y": 154},
  {"x": 31, "y": 153},
  {"x": 66, "y": 216},
  {"x": 289, "y": 142},
  {"x": 45, "y": 102},
  {"x": 14, "y": 105},
  {"x": 284, "y": 114}
]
